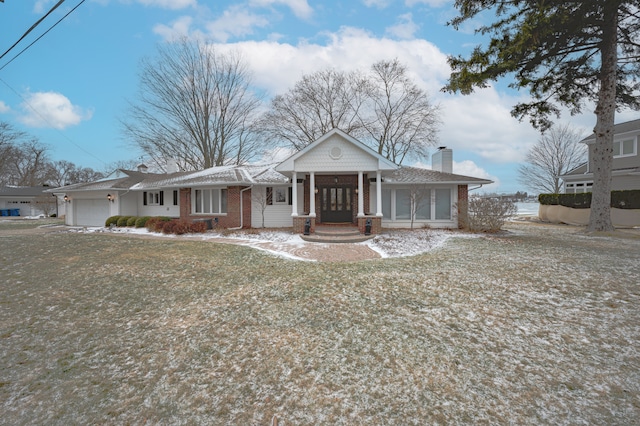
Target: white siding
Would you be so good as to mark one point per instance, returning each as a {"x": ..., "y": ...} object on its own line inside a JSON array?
[
  {"x": 336, "y": 155},
  {"x": 276, "y": 215}
]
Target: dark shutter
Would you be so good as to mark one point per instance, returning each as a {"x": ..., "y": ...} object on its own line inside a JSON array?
[
  {"x": 290, "y": 196},
  {"x": 269, "y": 195},
  {"x": 144, "y": 198},
  {"x": 175, "y": 198},
  {"x": 162, "y": 198}
]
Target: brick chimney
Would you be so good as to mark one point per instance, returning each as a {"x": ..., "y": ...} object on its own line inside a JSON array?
[{"x": 442, "y": 160}]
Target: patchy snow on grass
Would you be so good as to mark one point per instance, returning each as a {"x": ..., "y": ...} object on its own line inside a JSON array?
[{"x": 391, "y": 243}]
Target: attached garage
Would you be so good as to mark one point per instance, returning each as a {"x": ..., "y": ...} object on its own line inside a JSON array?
[{"x": 90, "y": 212}]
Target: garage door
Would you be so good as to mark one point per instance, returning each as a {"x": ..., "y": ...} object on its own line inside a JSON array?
[{"x": 91, "y": 212}]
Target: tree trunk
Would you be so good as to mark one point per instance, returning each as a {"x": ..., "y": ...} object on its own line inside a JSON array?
[{"x": 600, "y": 219}]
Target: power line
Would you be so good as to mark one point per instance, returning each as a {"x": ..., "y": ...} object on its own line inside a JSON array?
[
  {"x": 42, "y": 35},
  {"x": 32, "y": 27}
]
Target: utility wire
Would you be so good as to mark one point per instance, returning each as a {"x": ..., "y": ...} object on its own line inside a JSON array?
[
  {"x": 42, "y": 35},
  {"x": 32, "y": 27}
]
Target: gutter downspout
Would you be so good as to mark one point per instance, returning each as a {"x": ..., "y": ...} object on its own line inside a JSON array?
[
  {"x": 241, "y": 209},
  {"x": 473, "y": 189}
]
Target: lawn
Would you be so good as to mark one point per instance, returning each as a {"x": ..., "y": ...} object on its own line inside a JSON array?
[{"x": 537, "y": 326}]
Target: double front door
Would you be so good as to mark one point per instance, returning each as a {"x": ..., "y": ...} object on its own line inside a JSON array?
[{"x": 336, "y": 203}]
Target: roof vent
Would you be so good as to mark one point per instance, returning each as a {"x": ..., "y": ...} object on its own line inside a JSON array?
[{"x": 142, "y": 168}]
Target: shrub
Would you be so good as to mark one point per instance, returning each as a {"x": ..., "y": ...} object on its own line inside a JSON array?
[
  {"x": 157, "y": 223},
  {"x": 197, "y": 227},
  {"x": 122, "y": 221},
  {"x": 132, "y": 221},
  {"x": 113, "y": 220},
  {"x": 488, "y": 214},
  {"x": 629, "y": 199},
  {"x": 548, "y": 199},
  {"x": 141, "y": 222}
]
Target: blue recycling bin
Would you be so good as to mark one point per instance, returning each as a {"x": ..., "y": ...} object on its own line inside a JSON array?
[
  {"x": 14, "y": 212},
  {"x": 4, "y": 212}
]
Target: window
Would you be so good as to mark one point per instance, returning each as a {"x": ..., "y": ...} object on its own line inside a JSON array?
[
  {"x": 210, "y": 201},
  {"x": 403, "y": 204},
  {"x": 386, "y": 203},
  {"x": 175, "y": 198},
  {"x": 153, "y": 198},
  {"x": 443, "y": 204},
  {"x": 625, "y": 148},
  {"x": 279, "y": 195},
  {"x": 578, "y": 187},
  {"x": 423, "y": 198}
]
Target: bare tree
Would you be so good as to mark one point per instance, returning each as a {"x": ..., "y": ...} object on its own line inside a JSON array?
[
  {"x": 385, "y": 109},
  {"x": 404, "y": 121},
  {"x": 64, "y": 172},
  {"x": 261, "y": 198},
  {"x": 28, "y": 164},
  {"x": 46, "y": 203},
  {"x": 318, "y": 103},
  {"x": 557, "y": 152},
  {"x": 419, "y": 197},
  {"x": 195, "y": 106}
]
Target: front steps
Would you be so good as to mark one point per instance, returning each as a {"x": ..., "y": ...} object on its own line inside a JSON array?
[{"x": 336, "y": 235}]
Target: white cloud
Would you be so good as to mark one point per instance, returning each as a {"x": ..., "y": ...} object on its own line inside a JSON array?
[
  {"x": 469, "y": 168},
  {"x": 482, "y": 123},
  {"x": 50, "y": 109},
  {"x": 300, "y": 8},
  {"x": 405, "y": 29},
  {"x": 169, "y": 4},
  {"x": 4, "y": 107},
  {"x": 278, "y": 66},
  {"x": 236, "y": 21},
  {"x": 179, "y": 28}
]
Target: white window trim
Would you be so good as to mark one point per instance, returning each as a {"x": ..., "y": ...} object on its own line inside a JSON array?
[
  {"x": 153, "y": 198},
  {"x": 217, "y": 211},
  {"x": 432, "y": 206},
  {"x": 583, "y": 185},
  {"x": 279, "y": 190},
  {"x": 634, "y": 140}
]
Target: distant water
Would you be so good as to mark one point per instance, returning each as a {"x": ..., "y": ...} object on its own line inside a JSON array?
[{"x": 527, "y": 209}]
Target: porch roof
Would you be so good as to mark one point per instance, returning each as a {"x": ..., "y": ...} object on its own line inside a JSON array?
[{"x": 414, "y": 175}]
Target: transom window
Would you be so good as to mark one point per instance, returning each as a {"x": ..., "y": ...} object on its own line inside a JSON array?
[
  {"x": 210, "y": 200},
  {"x": 578, "y": 187},
  {"x": 625, "y": 148},
  {"x": 278, "y": 195}
]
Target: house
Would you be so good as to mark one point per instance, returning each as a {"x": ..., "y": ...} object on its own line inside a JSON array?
[
  {"x": 625, "y": 172},
  {"x": 336, "y": 179},
  {"x": 28, "y": 201}
]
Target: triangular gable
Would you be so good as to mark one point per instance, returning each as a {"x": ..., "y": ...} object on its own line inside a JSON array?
[{"x": 335, "y": 151}]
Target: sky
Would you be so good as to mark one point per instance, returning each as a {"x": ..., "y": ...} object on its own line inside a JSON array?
[{"x": 72, "y": 87}]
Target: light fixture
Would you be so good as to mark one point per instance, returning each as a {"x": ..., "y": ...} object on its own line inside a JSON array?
[
  {"x": 66, "y": 198},
  {"x": 315, "y": 190},
  {"x": 356, "y": 190},
  {"x": 111, "y": 198},
  {"x": 335, "y": 179}
]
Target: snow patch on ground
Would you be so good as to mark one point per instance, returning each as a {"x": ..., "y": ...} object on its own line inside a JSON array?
[{"x": 392, "y": 243}]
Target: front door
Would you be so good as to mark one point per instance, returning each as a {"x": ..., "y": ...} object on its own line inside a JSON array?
[{"x": 336, "y": 204}]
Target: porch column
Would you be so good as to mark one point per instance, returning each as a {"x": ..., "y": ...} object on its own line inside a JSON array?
[
  {"x": 312, "y": 194},
  {"x": 360, "y": 195},
  {"x": 294, "y": 194},
  {"x": 378, "y": 194}
]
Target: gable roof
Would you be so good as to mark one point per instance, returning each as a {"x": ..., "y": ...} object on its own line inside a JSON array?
[
  {"x": 383, "y": 163},
  {"x": 618, "y": 129},
  {"x": 415, "y": 175}
]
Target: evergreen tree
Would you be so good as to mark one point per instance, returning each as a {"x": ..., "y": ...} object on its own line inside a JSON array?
[{"x": 565, "y": 53}]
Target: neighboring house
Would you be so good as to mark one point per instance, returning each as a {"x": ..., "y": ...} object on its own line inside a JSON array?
[
  {"x": 625, "y": 172},
  {"x": 28, "y": 201},
  {"x": 336, "y": 179}
]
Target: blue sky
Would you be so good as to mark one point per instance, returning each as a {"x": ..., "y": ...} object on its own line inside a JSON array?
[{"x": 80, "y": 76}]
